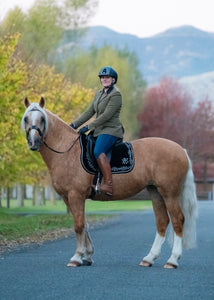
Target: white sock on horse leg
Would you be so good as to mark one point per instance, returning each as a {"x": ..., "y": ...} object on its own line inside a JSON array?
[
  {"x": 156, "y": 249},
  {"x": 176, "y": 250}
]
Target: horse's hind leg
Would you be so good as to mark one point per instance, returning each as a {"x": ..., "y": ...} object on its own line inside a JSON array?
[
  {"x": 177, "y": 219},
  {"x": 162, "y": 221}
]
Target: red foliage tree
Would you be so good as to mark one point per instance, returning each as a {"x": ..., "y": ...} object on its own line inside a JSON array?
[
  {"x": 166, "y": 112},
  {"x": 171, "y": 113}
]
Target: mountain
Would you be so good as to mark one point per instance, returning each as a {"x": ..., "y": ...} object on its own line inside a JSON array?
[
  {"x": 200, "y": 86},
  {"x": 184, "y": 52}
]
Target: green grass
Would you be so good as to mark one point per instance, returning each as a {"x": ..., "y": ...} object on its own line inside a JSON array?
[
  {"x": 97, "y": 206},
  {"x": 40, "y": 221},
  {"x": 58, "y": 206},
  {"x": 15, "y": 227},
  {"x": 91, "y": 206}
]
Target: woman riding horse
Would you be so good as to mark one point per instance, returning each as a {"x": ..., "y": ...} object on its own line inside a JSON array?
[
  {"x": 107, "y": 128},
  {"x": 161, "y": 166}
]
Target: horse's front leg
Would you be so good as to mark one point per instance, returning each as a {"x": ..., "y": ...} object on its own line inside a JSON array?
[
  {"x": 87, "y": 257},
  {"x": 84, "y": 249}
]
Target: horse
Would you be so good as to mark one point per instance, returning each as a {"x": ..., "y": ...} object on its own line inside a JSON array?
[{"x": 161, "y": 166}]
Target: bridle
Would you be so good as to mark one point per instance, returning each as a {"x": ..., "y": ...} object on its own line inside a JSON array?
[{"x": 41, "y": 133}]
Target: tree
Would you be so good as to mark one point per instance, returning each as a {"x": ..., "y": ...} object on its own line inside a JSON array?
[
  {"x": 42, "y": 27},
  {"x": 17, "y": 80},
  {"x": 202, "y": 140},
  {"x": 12, "y": 79},
  {"x": 167, "y": 112},
  {"x": 170, "y": 113}
]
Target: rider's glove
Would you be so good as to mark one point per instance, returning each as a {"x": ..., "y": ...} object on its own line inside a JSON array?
[
  {"x": 73, "y": 126},
  {"x": 83, "y": 129}
]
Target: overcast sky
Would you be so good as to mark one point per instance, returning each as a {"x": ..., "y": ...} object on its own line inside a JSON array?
[{"x": 143, "y": 17}]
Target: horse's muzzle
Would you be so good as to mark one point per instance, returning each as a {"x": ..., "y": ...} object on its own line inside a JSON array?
[{"x": 34, "y": 144}]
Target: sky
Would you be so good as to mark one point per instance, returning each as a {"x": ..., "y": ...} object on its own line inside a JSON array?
[{"x": 143, "y": 18}]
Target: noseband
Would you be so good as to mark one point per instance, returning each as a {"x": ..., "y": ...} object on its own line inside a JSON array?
[
  {"x": 42, "y": 136},
  {"x": 36, "y": 128}
]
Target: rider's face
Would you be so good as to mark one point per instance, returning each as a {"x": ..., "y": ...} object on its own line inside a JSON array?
[{"x": 106, "y": 81}]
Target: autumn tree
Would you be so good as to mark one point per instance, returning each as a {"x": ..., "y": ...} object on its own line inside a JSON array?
[
  {"x": 167, "y": 112},
  {"x": 202, "y": 146},
  {"x": 170, "y": 113},
  {"x": 12, "y": 78},
  {"x": 18, "y": 80}
]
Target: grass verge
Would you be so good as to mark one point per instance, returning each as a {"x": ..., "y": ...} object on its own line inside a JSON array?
[
  {"x": 17, "y": 229},
  {"x": 50, "y": 222}
]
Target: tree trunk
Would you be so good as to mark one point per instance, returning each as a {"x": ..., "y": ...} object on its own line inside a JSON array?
[
  {"x": 205, "y": 175},
  {"x": 8, "y": 197},
  {"x": 52, "y": 196},
  {"x": 20, "y": 194},
  {"x": 39, "y": 194}
]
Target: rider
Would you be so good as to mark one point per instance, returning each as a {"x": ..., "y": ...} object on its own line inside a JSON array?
[{"x": 107, "y": 128}]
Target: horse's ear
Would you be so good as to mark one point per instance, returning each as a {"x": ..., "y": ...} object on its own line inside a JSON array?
[
  {"x": 26, "y": 102},
  {"x": 42, "y": 102}
]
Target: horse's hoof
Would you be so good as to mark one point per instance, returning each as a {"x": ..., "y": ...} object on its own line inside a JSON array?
[
  {"x": 86, "y": 262},
  {"x": 145, "y": 264},
  {"x": 74, "y": 264},
  {"x": 170, "y": 266}
]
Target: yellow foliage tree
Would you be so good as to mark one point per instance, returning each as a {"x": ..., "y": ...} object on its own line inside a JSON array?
[
  {"x": 18, "y": 80},
  {"x": 12, "y": 78}
]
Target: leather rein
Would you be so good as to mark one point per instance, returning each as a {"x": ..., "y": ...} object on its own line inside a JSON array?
[{"x": 59, "y": 152}]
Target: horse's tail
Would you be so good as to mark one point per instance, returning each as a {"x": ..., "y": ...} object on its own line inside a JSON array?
[{"x": 188, "y": 203}]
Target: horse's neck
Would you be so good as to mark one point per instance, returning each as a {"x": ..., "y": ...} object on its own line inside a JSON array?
[
  {"x": 58, "y": 131},
  {"x": 59, "y": 137}
]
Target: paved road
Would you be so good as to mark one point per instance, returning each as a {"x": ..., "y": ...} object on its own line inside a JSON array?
[{"x": 39, "y": 272}]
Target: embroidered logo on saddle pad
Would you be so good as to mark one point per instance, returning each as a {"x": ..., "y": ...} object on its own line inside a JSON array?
[{"x": 122, "y": 157}]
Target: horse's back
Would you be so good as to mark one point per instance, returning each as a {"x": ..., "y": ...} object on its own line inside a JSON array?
[
  {"x": 161, "y": 160},
  {"x": 159, "y": 148}
]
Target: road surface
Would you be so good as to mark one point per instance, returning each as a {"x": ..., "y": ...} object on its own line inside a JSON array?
[{"x": 40, "y": 272}]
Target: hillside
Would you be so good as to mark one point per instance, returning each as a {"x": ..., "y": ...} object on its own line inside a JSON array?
[{"x": 181, "y": 52}]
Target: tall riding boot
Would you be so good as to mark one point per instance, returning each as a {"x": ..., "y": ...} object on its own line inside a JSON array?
[{"x": 106, "y": 185}]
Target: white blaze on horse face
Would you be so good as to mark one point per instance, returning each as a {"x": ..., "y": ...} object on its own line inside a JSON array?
[{"x": 33, "y": 132}]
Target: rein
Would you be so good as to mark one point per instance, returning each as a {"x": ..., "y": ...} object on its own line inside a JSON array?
[{"x": 59, "y": 152}]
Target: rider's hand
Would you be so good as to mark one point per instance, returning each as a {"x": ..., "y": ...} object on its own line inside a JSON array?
[
  {"x": 83, "y": 129},
  {"x": 73, "y": 126}
]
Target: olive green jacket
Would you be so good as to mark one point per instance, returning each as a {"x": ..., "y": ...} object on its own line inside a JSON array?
[{"x": 107, "y": 108}]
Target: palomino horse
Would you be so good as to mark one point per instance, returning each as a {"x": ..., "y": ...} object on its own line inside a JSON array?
[{"x": 161, "y": 166}]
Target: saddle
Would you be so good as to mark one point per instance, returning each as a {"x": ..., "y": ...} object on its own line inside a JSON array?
[{"x": 121, "y": 156}]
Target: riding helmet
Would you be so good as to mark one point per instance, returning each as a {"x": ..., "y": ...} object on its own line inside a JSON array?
[{"x": 108, "y": 71}]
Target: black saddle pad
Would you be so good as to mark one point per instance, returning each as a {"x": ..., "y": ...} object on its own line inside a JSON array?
[{"x": 122, "y": 157}]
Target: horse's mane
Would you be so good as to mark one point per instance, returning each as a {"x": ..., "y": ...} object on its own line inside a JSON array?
[
  {"x": 55, "y": 116},
  {"x": 36, "y": 106}
]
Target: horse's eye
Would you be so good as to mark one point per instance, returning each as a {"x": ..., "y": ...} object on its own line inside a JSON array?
[
  {"x": 26, "y": 119},
  {"x": 43, "y": 119}
]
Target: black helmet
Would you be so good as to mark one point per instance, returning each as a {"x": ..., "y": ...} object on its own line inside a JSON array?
[{"x": 108, "y": 71}]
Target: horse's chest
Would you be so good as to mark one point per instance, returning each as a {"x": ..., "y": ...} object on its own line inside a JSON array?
[{"x": 59, "y": 180}]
